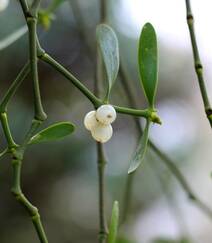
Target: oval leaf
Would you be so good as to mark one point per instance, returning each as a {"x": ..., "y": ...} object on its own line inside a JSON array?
[
  {"x": 113, "y": 229},
  {"x": 54, "y": 132},
  {"x": 148, "y": 62},
  {"x": 109, "y": 47},
  {"x": 140, "y": 150}
]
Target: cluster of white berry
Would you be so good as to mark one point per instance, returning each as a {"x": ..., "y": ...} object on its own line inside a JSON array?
[
  {"x": 3, "y": 4},
  {"x": 99, "y": 123}
]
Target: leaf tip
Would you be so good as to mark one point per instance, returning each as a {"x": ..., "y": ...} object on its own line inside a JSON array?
[
  {"x": 148, "y": 24},
  {"x": 116, "y": 204},
  {"x": 131, "y": 170}
]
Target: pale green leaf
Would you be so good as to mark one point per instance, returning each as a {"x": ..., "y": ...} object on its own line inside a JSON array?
[
  {"x": 109, "y": 47},
  {"x": 113, "y": 229},
  {"x": 148, "y": 62},
  {"x": 140, "y": 150},
  {"x": 54, "y": 132}
]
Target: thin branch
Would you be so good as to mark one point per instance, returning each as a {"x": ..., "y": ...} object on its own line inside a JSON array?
[
  {"x": 101, "y": 159},
  {"x": 16, "y": 151},
  {"x": 7, "y": 132},
  {"x": 197, "y": 62},
  {"x": 13, "y": 87},
  {"x": 94, "y": 100},
  {"x": 101, "y": 162},
  {"x": 17, "y": 158},
  {"x": 32, "y": 25}
]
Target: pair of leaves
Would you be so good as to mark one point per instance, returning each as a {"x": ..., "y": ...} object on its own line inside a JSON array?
[
  {"x": 109, "y": 47},
  {"x": 148, "y": 70},
  {"x": 113, "y": 229},
  {"x": 54, "y": 132},
  {"x": 147, "y": 58}
]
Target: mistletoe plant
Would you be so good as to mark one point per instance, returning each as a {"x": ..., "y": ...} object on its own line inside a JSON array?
[{"x": 99, "y": 120}]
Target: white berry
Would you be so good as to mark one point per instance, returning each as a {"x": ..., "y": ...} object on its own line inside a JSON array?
[
  {"x": 106, "y": 114},
  {"x": 102, "y": 133},
  {"x": 90, "y": 120},
  {"x": 3, "y": 4}
]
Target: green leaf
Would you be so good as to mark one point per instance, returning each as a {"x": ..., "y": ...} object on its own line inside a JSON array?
[
  {"x": 140, "y": 150},
  {"x": 148, "y": 62},
  {"x": 109, "y": 47},
  {"x": 113, "y": 229},
  {"x": 54, "y": 132},
  {"x": 10, "y": 39}
]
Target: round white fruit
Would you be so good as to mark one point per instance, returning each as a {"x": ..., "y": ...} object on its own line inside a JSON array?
[
  {"x": 90, "y": 120},
  {"x": 3, "y": 4},
  {"x": 102, "y": 133},
  {"x": 106, "y": 114}
]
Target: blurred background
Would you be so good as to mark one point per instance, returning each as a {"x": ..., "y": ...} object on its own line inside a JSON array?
[{"x": 61, "y": 177}]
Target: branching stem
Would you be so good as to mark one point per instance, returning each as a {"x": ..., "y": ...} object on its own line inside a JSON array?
[{"x": 39, "y": 112}]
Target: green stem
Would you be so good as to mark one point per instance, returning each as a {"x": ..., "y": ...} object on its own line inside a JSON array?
[
  {"x": 17, "y": 192},
  {"x": 34, "y": 7},
  {"x": 103, "y": 228},
  {"x": 6, "y": 129},
  {"x": 17, "y": 155},
  {"x": 94, "y": 100},
  {"x": 32, "y": 25},
  {"x": 134, "y": 112},
  {"x": 48, "y": 59},
  {"x": 197, "y": 62},
  {"x": 25, "y": 8},
  {"x": 101, "y": 174},
  {"x": 13, "y": 88}
]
